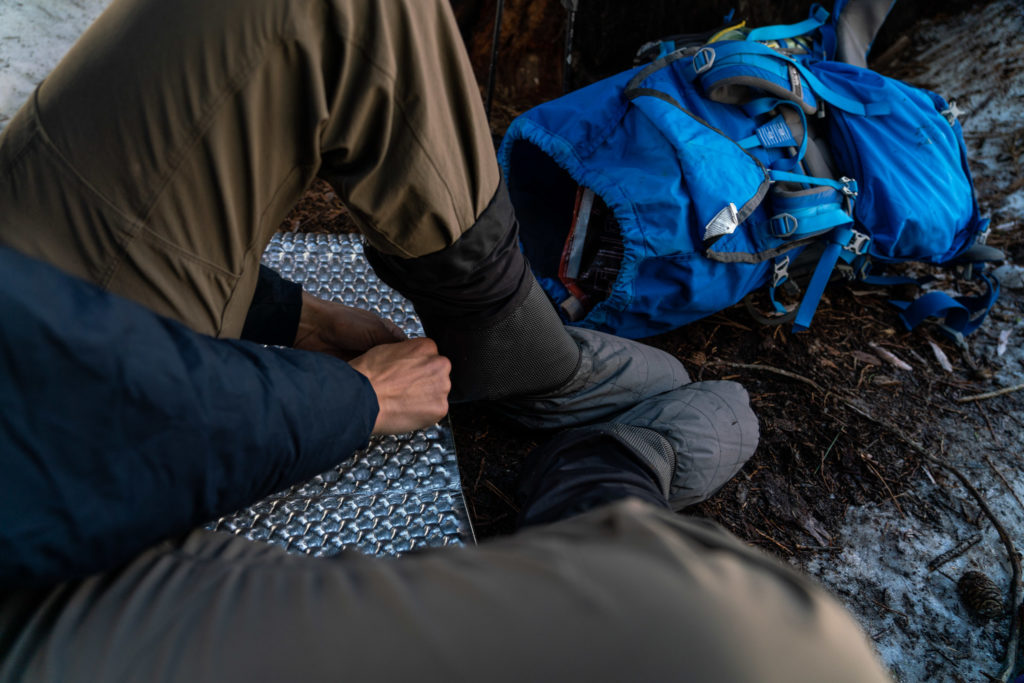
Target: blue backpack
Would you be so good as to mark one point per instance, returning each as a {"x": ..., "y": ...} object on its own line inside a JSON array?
[{"x": 671, "y": 191}]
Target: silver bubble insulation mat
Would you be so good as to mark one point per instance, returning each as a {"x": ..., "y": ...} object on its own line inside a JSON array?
[{"x": 401, "y": 493}]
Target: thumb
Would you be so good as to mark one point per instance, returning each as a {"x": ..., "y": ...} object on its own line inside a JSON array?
[{"x": 395, "y": 331}]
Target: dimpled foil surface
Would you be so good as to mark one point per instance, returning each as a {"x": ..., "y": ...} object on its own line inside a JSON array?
[{"x": 401, "y": 493}]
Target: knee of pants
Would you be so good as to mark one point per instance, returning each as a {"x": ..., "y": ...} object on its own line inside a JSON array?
[
  {"x": 721, "y": 434},
  {"x": 696, "y": 599}
]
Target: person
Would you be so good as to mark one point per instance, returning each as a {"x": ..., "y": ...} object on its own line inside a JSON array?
[{"x": 138, "y": 188}]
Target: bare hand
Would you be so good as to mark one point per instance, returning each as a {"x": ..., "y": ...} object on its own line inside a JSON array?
[
  {"x": 341, "y": 330},
  {"x": 411, "y": 381}
]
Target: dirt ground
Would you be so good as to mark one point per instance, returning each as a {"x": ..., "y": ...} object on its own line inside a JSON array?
[{"x": 819, "y": 456}]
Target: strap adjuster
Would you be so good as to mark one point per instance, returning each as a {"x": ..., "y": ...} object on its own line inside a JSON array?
[
  {"x": 780, "y": 271},
  {"x": 849, "y": 187},
  {"x": 783, "y": 224},
  {"x": 703, "y": 60},
  {"x": 858, "y": 244}
]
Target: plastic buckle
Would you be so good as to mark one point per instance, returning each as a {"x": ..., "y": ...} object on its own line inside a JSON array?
[
  {"x": 705, "y": 53},
  {"x": 980, "y": 239},
  {"x": 858, "y": 244},
  {"x": 788, "y": 222},
  {"x": 849, "y": 187},
  {"x": 780, "y": 272}
]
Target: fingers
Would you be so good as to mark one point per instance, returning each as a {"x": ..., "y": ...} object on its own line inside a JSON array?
[
  {"x": 394, "y": 330},
  {"x": 340, "y": 330},
  {"x": 377, "y": 330},
  {"x": 411, "y": 381},
  {"x": 420, "y": 346}
]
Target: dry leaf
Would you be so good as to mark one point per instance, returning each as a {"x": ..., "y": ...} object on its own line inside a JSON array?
[
  {"x": 891, "y": 358},
  {"x": 865, "y": 357},
  {"x": 940, "y": 356},
  {"x": 816, "y": 530},
  {"x": 1004, "y": 338}
]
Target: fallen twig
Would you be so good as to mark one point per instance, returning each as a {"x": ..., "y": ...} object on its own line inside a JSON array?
[
  {"x": 770, "y": 538},
  {"x": 954, "y": 552},
  {"x": 501, "y": 494},
  {"x": 890, "y": 609},
  {"x": 889, "y": 490},
  {"x": 480, "y": 473},
  {"x": 821, "y": 465},
  {"x": 891, "y": 358},
  {"x": 999, "y": 474},
  {"x": 930, "y": 477},
  {"x": 988, "y": 422},
  {"x": 991, "y": 394},
  {"x": 778, "y": 371}
]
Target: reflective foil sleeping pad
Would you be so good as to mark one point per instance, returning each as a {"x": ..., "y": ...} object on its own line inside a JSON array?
[{"x": 401, "y": 493}]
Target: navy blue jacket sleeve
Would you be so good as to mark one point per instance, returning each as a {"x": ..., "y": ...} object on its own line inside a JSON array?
[{"x": 119, "y": 428}]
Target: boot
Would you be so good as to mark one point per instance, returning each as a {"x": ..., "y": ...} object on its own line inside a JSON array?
[{"x": 479, "y": 301}]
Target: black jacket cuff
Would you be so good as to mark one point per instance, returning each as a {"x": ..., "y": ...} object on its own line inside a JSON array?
[{"x": 273, "y": 316}]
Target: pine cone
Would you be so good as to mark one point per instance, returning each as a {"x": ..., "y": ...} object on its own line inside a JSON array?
[{"x": 980, "y": 595}]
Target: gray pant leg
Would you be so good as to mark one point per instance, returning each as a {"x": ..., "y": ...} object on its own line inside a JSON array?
[{"x": 626, "y": 592}]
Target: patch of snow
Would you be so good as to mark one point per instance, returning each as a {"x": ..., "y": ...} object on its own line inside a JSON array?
[
  {"x": 911, "y": 610},
  {"x": 34, "y": 35},
  {"x": 1013, "y": 204},
  {"x": 1010, "y": 276},
  {"x": 883, "y": 575}
]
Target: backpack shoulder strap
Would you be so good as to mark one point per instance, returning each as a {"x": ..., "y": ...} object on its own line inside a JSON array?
[
  {"x": 757, "y": 65},
  {"x": 818, "y": 18}
]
